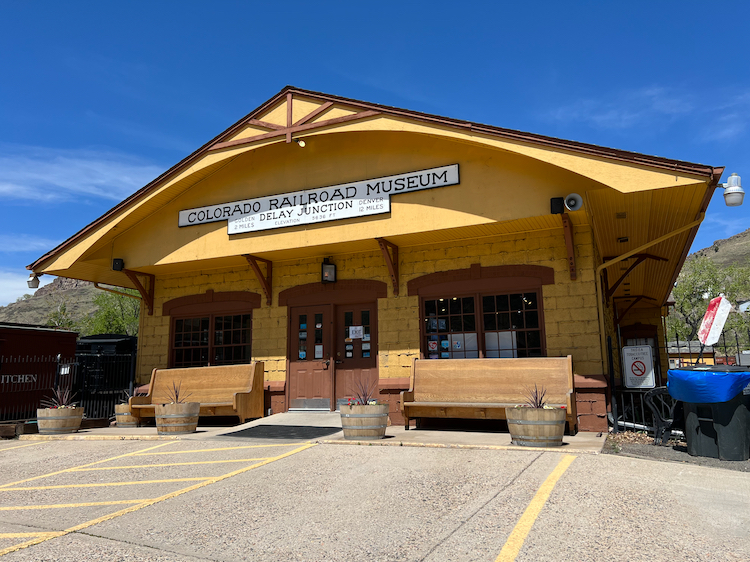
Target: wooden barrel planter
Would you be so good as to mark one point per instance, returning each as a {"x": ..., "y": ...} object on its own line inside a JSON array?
[
  {"x": 123, "y": 416},
  {"x": 175, "y": 419},
  {"x": 536, "y": 427},
  {"x": 56, "y": 421},
  {"x": 364, "y": 423}
]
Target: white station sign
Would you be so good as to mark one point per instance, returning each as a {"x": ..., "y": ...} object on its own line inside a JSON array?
[
  {"x": 357, "y": 199},
  {"x": 638, "y": 366}
]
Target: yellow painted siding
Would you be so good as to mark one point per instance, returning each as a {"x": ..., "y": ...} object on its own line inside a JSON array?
[{"x": 569, "y": 306}]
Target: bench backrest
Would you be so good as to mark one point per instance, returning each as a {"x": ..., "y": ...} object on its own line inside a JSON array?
[
  {"x": 206, "y": 384},
  {"x": 492, "y": 380}
]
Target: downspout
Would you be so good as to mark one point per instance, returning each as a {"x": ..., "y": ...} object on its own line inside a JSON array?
[{"x": 625, "y": 256}]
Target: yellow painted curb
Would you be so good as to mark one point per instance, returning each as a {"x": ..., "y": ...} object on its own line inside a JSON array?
[{"x": 75, "y": 437}]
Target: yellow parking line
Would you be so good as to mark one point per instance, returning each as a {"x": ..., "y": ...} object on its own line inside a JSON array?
[
  {"x": 104, "y": 484},
  {"x": 84, "y": 465},
  {"x": 218, "y": 449},
  {"x": 521, "y": 530},
  {"x": 147, "y": 503},
  {"x": 167, "y": 464},
  {"x": 59, "y": 505},
  {"x": 19, "y": 446}
]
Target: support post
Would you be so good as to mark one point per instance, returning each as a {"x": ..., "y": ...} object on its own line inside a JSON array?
[
  {"x": 264, "y": 280},
  {"x": 569, "y": 245},
  {"x": 390, "y": 261},
  {"x": 146, "y": 295}
]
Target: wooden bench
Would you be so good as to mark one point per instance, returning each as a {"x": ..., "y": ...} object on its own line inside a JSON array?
[
  {"x": 227, "y": 390},
  {"x": 483, "y": 388}
]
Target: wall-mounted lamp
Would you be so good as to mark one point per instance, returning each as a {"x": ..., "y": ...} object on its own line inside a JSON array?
[
  {"x": 300, "y": 142},
  {"x": 733, "y": 192},
  {"x": 327, "y": 272},
  {"x": 33, "y": 280},
  {"x": 118, "y": 264}
]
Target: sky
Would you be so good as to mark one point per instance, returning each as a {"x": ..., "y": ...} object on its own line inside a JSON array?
[{"x": 99, "y": 98}]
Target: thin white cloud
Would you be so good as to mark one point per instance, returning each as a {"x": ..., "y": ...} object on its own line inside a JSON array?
[
  {"x": 25, "y": 243},
  {"x": 13, "y": 285},
  {"x": 625, "y": 110},
  {"x": 49, "y": 174}
]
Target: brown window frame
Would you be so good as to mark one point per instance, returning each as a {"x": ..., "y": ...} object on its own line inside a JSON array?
[
  {"x": 210, "y": 304},
  {"x": 478, "y": 282}
]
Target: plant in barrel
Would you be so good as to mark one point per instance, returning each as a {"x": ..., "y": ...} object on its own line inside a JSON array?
[
  {"x": 363, "y": 417},
  {"x": 535, "y": 423},
  {"x": 59, "y": 413},
  {"x": 176, "y": 415}
]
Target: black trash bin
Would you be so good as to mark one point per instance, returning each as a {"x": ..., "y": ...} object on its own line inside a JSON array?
[
  {"x": 719, "y": 430},
  {"x": 714, "y": 428}
]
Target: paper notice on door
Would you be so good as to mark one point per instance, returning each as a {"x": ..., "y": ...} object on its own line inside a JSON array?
[
  {"x": 356, "y": 332},
  {"x": 318, "y": 352}
]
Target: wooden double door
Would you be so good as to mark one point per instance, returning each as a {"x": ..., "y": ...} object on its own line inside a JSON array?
[{"x": 333, "y": 351}]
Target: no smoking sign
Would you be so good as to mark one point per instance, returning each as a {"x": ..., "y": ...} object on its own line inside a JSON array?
[{"x": 638, "y": 366}]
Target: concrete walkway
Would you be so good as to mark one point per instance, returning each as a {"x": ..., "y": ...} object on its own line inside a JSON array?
[{"x": 290, "y": 425}]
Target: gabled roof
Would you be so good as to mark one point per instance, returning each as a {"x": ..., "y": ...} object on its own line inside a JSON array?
[{"x": 227, "y": 139}]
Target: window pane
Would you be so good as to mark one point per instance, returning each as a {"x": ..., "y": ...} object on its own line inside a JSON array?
[
  {"x": 533, "y": 339},
  {"x": 502, "y": 303},
  {"x": 503, "y": 321},
  {"x": 516, "y": 319},
  {"x": 530, "y": 300},
  {"x": 488, "y": 304},
  {"x": 303, "y": 321},
  {"x": 178, "y": 326},
  {"x": 468, "y": 305},
  {"x": 489, "y": 322},
  {"x": 442, "y": 306},
  {"x": 532, "y": 319},
  {"x": 236, "y": 322},
  {"x": 365, "y": 317},
  {"x": 348, "y": 319},
  {"x": 516, "y": 301},
  {"x": 469, "y": 323},
  {"x": 456, "y": 324},
  {"x": 430, "y": 308},
  {"x": 455, "y": 306}
]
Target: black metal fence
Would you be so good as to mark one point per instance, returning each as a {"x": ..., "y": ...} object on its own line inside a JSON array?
[
  {"x": 98, "y": 381},
  {"x": 628, "y": 405}
]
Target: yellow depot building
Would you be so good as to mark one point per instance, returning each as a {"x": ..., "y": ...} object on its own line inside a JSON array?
[{"x": 338, "y": 240}]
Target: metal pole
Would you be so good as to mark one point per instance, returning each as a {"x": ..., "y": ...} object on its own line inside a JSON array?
[
  {"x": 131, "y": 388},
  {"x": 613, "y": 399}
]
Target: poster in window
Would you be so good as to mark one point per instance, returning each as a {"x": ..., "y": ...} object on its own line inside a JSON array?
[
  {"x": 365, "y": 347},
  {"x": 445, "y": 344},
  {"x": 356, "y": 332},
  {"x": 318, "y": 325},
  {"x": 302, "y": 354},
  {"x": 433, "y": 355},
  {"x": 365, "y": 337},
  {"x": 432, "y": 345},
  {"x": 433, "y": 324},
  {"x": 445, "y": 355},
  {"x": 365, "y": 354},
  {"x": 457, "y": 344},
  {"x": 303, "y": 326},
  {"x": 349, "y": 347},
  {"x": 442, "y": 325},
  {"x": 318, "y": 352},
  {"x": 303, "y": 335},
  {"x": 349, "y": 354}
]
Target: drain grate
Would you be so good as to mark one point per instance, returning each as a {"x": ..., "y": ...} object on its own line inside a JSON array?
[{"x": 295, "y": 432}]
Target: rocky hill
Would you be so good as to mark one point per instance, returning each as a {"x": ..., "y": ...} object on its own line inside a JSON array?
[
  {"x": 78, "y": 297},
  {"x": 733, "y": 250}
]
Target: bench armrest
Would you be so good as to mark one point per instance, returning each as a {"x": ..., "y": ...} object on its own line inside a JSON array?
[
  {"x": 139, "y": 400},
  {"x": 406, "y": 396}
]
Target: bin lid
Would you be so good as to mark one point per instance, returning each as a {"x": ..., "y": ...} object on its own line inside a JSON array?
[{"x": 705, "y": 386}]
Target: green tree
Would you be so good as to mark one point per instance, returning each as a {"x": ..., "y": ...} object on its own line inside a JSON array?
[
  {"x": 59, "y": 315},
  {"x": 116, "y": 314},
  {"x": 700, "y": 281}
]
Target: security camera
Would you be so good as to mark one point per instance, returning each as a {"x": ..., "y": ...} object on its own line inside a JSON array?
[{"x": 573, "y": 202}]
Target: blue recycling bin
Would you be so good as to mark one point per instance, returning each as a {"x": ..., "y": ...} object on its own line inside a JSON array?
[{"x": 717, "y": 410}]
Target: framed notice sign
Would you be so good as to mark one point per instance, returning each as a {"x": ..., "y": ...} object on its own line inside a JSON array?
[{"x": 637, "y": 366}]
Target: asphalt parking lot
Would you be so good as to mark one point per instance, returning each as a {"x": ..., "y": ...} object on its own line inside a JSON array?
[{"x": 251, "y": 499}]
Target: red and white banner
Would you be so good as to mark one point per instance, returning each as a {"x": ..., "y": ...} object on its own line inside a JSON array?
[{"x": 714, "y": 320}]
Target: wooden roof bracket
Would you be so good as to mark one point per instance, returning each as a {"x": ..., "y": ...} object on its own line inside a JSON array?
[
  {"x": 264, "y": 280},
  {"x": 97, "y": 286},
  {"x": 636, "y": 300},
  {"x": 146, "y": 295},
  {"x": 640, "y": 259},
  {"x": 390, "y": 261},
  {"x": 569, "y": 245}
]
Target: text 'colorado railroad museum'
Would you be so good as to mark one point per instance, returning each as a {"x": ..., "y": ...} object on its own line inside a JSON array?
[{"x": 335, "y": 239}]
